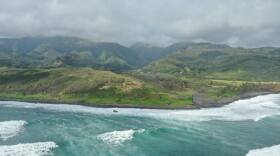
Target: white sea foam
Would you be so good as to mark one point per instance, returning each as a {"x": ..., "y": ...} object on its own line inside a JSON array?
[
  {"x": 10, "y": 129},
  {"x": 118, "y": 137},
  {"x": 267, "y": 151},
  {"x": 254, "y": 109},
  {"x": 28, "y": 149},
  {"x": 250, "y": 109}
]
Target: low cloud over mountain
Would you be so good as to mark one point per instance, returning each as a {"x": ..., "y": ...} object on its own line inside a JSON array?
[{"x": 235, "y": 22}]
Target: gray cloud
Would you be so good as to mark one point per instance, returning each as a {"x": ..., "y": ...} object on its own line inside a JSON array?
[{"x": 235, "y": 22}]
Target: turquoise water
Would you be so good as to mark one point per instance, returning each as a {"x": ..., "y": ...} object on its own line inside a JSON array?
[{"x": 64, "y": 130}]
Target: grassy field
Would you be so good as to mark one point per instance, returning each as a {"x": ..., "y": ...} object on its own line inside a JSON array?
[
  {"x": 84, "y": 86},
  {"x": 95, "y": 87}
]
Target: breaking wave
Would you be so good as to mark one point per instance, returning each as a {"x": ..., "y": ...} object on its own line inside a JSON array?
[
  {"x": 10, "y": 129},
  {"x": 29, "y": 149},
  {"x": 267, "y": 151},
  {"x": 254, "y": 109},
  {"x": 118, "y": 137}
]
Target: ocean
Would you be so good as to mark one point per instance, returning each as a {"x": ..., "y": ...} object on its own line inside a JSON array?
[{"x": 248, "y": 127}]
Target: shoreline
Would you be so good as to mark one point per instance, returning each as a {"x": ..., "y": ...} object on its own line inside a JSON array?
[
  {"x": 202, "y": 102},
  {"x": 198, "y": 104}
]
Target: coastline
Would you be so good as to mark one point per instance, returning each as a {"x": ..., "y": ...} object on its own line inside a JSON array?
[
  {"x": 198, "y": 100},
  {"x": 203, "y": 102}
]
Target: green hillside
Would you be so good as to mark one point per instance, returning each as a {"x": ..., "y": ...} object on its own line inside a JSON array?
[
  {"x": 84, "y": 86},
  {"x": 220, "y": 62},
  {"x": 66, "y": 51}
]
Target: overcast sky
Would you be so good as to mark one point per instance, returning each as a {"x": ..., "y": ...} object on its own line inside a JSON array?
[{"x": 161, "y": 22}]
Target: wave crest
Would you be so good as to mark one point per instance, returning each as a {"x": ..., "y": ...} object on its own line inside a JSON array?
[
  {"x": 10, "y": 129},
  {"x": 29, "y": 149},
  {"x": 267, "y": 151},
  {"x": 118, "y": 137}
]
